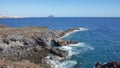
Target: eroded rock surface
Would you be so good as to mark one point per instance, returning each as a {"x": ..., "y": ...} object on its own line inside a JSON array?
[
  {"x": 113, "y": 64},
  {"x": 68, "y": 31},
  {"x": 32, "y": 44}
]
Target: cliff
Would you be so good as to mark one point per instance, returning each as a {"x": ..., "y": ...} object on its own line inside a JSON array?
[{"x": 32, "y": 44}]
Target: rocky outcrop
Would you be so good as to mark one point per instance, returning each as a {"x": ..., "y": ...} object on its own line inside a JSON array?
[
  {"x": 21, "y": 64},
  {"x": 59, "y": 52},
  {"x": 113, "y": 64},
  {"x": 63, "y": 42},
  {"x": 67, "y": 31},
  {"x": 67, "y": 42},
  {"x": 32, "y": 44},
  {"x": 3, "y": 26}
]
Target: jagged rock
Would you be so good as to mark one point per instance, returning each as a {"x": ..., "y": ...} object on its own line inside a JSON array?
[
  {"x": 68, "y": 31},
  {"x": 1, "y": 49},
  {"x": 31, "y": 43},
  {"x": 98, "y": 65},
  {"x": 113, "y": 64},
  {"x": 21, "y": 64},
  {"x": 63, "y": 42},
  {"x": 66, "y": 42},
  {"x": 59, "y": 32},
  {"x": 59, "y": 52}
]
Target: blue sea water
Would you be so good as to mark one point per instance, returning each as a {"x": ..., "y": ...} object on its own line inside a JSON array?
[{"x": 101, "y": 42}]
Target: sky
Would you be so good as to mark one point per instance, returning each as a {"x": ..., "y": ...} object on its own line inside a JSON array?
[{"x": 60, "y": 8}]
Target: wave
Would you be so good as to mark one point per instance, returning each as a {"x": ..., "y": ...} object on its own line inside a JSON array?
[
  {"x": 65, "y": 64},
  {"x": 73, "y": 49},
  {"x": 83, "y": 29},
  {"x": 69, "y": 33}
]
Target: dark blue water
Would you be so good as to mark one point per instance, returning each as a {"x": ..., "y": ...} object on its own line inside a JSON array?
[{"x": 101, "y": 42}]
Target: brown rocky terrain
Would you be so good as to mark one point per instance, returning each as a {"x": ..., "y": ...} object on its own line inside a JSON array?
[
  {"x": 62, "y": 33},
  {"x": 3, "y": 26},
  {"x": 31, "y": 45},
  {"x": 27, "y": 47}
]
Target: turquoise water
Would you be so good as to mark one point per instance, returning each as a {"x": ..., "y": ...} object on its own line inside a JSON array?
[{"x": 101, "y": 42}]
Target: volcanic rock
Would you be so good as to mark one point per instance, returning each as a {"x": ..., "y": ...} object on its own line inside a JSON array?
[{"x": 113, "y": 64}]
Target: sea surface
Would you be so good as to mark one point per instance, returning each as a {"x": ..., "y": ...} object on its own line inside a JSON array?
[{"x": 99, "y": 42}]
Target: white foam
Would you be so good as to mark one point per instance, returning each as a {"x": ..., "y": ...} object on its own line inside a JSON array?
[
  {"x": 58, "y": 64},
  {"x": 72, "y": 48},
  {"x": 83, "y": 29},
  {"x": 66, "y": 64},
  {"x": 69, "y": 33}
]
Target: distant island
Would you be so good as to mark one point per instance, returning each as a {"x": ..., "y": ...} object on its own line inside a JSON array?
[{"x": 51, "y": 16}]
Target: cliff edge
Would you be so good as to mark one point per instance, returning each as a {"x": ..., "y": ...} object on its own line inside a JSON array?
[{"x": 31, "y": 44}]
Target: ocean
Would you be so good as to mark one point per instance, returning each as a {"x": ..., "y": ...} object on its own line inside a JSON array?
[{"x": 99, "y": 42}]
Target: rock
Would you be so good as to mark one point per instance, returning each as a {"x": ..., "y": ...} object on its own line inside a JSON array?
[
  {"x": 98, "y": 65},
  {"x": 68, "y": 31},
  {"x": 59, "y": 52},
  {"x": 1, "y": 49},
  {"x": 21, "y": 64},
  {"x": 63, "y": 42},
  {"x": 2, "y": 62},
  {"x": 32, "y": 44},
  {"x": 67, "y": 42},
  {"x": 113, "y": 64},
  {"x": 59, "y": 32},
  {"x": 3, "y": 26}
]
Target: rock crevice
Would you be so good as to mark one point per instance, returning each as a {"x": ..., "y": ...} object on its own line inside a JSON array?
[{"x": 31, "y": 43}]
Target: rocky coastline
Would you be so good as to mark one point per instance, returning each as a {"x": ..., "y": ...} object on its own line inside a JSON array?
[
  {"x": 113, "y": 64},
  {"x": 30, "y": 45},
  {"x": 33, "y": 47}
]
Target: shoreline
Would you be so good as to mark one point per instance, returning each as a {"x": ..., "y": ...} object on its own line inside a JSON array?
[
  {"x": 29, "y": 42},
  {"x": 41, "y": 37},
  {"x": 57, "y": 62},
  {"x": 76, "y": 30}
]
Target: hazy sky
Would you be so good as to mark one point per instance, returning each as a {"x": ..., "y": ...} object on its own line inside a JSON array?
[{"x": 61, "y": 8}]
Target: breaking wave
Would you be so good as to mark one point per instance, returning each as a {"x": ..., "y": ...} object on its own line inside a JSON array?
[
  {"x": 81, "y": 29},
  {"x": 73, "y": 49}
]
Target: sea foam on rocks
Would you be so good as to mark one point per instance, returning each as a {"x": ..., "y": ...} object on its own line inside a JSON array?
[
  {"x": 73, "y": 31},
  {"x": 72, "y": 50}
]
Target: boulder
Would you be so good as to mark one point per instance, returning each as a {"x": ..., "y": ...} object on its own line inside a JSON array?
[
  {"x": 113, "y": 64},
  {"x": 63, "y": 42},
  {"x": 59, "y": 52},
  {"x": 67, "y": 42}
]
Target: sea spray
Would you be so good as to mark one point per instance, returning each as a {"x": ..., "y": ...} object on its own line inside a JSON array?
[
  {"x": 73, "y": 49},
  {"x": 69, "y": 33}
]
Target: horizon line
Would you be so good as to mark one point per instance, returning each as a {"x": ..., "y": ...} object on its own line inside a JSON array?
[{"x": 3, "y": 16}]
